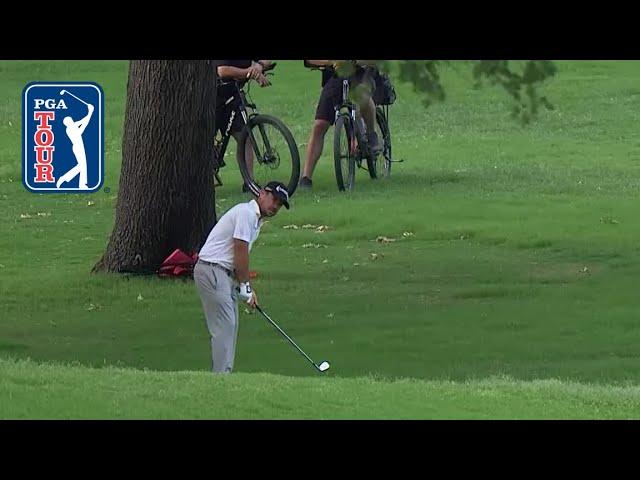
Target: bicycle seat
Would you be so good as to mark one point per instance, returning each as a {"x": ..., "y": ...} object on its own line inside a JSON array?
[
  {"x": 314, "y": 67},
  {"x": 270, "y": 67}
]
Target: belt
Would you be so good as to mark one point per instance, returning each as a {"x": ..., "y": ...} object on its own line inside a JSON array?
[{"x": 226, "y": 270}]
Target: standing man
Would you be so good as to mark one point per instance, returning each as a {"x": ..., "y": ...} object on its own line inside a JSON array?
[
  {"x": 359, "y": 73},
  {"x": 222, "y": 272}
]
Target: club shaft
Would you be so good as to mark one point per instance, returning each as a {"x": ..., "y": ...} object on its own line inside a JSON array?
[
  {"x": 67, "y": 91},
  {"x": 286, "y": 336}
]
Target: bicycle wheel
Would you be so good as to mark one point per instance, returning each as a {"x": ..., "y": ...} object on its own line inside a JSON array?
[
  {"x": 380, "y": 166},
  {"x": 343, "y": 154},
  {"x": 275, "y": 154}
]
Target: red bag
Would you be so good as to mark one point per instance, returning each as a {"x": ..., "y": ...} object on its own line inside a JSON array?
[{"x": 178, "y": 264}]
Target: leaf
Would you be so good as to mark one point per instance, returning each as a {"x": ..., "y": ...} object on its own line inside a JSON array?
[
  {"x": 90, "y": 203},
  {"x": 290, "y": 227},
  {"x": 313, "y": 245},
  {"x": 140, "y": 298},
  {"x": 382, "y": 239},
  {"x": 407, "y": 234},
  {"x": 25, "y": 215}
]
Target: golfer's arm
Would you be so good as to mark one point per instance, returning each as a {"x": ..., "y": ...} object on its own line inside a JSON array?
[
  {"x": 235, "y": 73},
  {"x": 241, "y": 260},
  {"x": 83, "y": 123}
]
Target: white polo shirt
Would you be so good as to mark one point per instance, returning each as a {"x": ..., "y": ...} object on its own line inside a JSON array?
[{"x": 242, "y": 222}]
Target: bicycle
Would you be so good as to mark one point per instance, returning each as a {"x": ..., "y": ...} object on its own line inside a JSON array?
[
  {"x": 271, "y": 150},
  {"x": 351, "y": 146}
]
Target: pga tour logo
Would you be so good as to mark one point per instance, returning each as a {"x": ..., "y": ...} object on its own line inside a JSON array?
[{"x": 62, "y": 137}]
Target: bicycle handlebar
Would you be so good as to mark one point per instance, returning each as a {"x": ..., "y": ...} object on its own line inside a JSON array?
[
  {"x": 270, "y": 67},
  {"x": 239, "y": 82}
]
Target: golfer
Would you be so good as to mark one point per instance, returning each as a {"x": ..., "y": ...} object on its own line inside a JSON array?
[
  {"x": 222, "y": 271},
  {"x": 74, "y": 131}
]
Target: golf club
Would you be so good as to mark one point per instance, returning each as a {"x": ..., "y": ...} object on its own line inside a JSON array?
[
  {"x": 62, "y": 92},
  {"x": 324, "y": 365}
]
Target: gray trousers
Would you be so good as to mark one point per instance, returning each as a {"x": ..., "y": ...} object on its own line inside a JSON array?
[{"x": 220, "y": 304}]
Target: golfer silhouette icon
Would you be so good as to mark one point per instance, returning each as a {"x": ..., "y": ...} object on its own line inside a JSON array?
[{"x": 74, "y": 131}]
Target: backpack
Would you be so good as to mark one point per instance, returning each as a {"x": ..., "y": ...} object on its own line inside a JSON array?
[
  {"x": 178, "y": 264},
  {"x": 384, "y": 93}
]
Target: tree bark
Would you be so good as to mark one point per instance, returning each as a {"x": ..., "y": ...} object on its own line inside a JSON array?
[{"x": 166, "y": 193}]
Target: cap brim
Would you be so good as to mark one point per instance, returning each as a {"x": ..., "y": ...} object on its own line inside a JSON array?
[{"x": 283, "y": 201}]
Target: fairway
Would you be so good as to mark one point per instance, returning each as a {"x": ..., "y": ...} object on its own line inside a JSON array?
[
  {"x": 496, "y": 258},
  {"x": 74, "y": 392}
]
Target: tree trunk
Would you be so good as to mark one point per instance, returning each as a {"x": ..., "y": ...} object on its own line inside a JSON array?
[{"x": 166, "y": 194}]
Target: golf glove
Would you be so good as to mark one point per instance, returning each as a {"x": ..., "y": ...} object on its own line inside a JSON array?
[{"x": 245, "y": 292}]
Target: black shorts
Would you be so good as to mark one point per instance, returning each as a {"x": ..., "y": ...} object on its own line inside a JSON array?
[
  {"x": 331, "y": 96},
  {"x": 223, "y": 115}
]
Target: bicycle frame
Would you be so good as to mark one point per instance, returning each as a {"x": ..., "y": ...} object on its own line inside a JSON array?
[{"x": 354, "y": 117}]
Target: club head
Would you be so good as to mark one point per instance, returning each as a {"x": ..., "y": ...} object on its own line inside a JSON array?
[
  {"x": 62, "y": 92},
  {"x": 324, "y": 366}
]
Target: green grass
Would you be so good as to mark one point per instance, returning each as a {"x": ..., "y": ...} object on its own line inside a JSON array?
[
  {"x": 28, "y": 390},
  {"x": 523, "y": 258}
]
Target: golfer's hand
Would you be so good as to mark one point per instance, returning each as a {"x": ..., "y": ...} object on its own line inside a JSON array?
[
  {"x": 246, "y": 293},
  {"x": 253, "y": 301}
]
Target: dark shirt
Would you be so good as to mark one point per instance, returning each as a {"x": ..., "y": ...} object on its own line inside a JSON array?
[
  {"x": 327, "y": 74},
  {"x": 235, "y": 63},
  {"x": 226, "y": 91}
]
